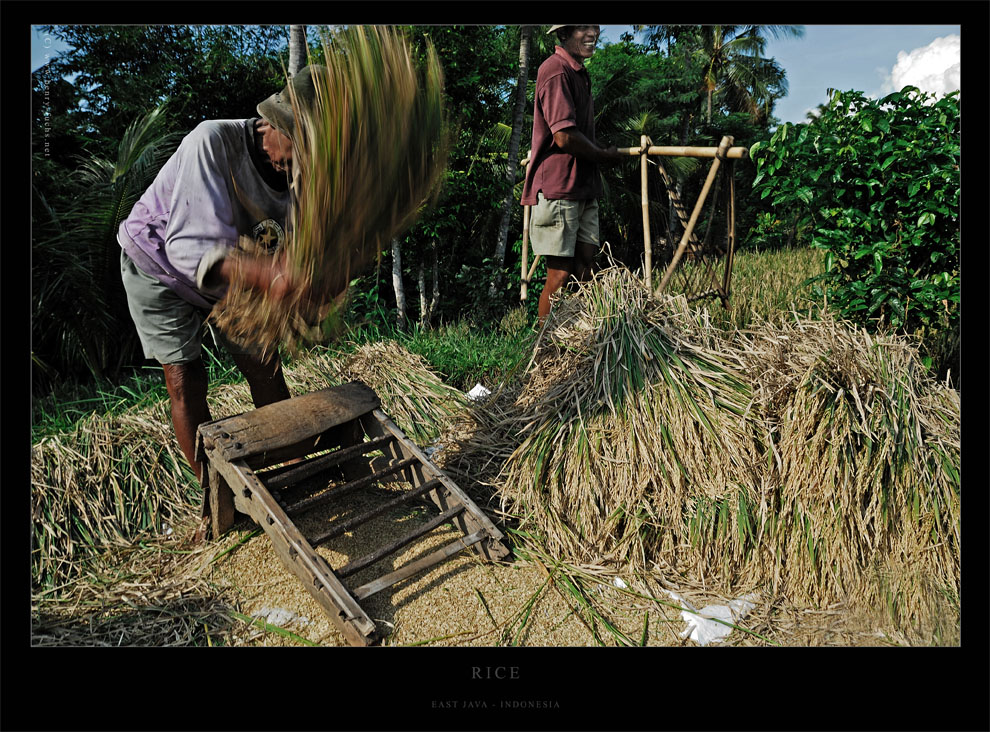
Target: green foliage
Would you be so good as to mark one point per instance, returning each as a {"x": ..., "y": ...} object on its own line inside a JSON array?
[
  {"x": 80, "y": 322},
  {"x": 204, "y": 72},
  {"x": 876, "y": 183}
]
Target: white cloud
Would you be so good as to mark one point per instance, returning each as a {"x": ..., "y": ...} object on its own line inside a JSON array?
[{"x": 933, "y": 68}]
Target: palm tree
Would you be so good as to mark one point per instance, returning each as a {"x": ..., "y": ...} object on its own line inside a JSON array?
[
  {"x": 735, "y": 69},
  {"x": 80, "y": 313},
  {"x": 297, "y": 48}
]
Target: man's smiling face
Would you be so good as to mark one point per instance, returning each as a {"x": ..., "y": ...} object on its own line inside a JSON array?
[{"x": 581, "y": 44}]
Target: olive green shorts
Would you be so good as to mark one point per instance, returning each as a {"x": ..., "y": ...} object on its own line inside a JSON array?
[
  {"x": 171, "y": 330},
  {"x": 556, "y": 225}
]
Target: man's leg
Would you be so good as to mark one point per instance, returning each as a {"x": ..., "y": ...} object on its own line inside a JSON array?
[
  {"x": 187, "y": 384},
  {"x": 559, "y": 270},
  {"x": 584, "y": 260},
  {"x": 264, "y": 376}
]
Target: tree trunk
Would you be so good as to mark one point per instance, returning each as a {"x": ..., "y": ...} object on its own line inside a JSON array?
[
  {"x": 400, "y": 292},
  {"x": 424, "y": 314},
  {"x": 435, "y": 300},
  {"x": 426, "y": 309},
  {"x": 525, "y": 43},
  {"x": 297, "y": 48}
]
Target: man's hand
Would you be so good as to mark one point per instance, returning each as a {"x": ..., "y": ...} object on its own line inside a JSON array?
[{"x": 270, "y": 275}]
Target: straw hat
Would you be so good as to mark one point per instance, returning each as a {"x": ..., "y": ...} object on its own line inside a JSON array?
[{"x": 277, "y": 109}]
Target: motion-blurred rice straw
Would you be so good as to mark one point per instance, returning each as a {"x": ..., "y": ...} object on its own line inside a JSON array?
[{"x": 368, "y": 158}]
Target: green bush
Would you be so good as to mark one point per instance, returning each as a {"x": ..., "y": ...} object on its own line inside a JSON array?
[{"x": 877, "y": 184}]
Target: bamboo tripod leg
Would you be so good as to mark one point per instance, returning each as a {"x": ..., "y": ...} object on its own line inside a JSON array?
[
  {"x": 647, "y": 241},
  {"x": 731, "y": 234},
  {"x": 524, "y": 276},
  {"x": 713, "y": 171}
]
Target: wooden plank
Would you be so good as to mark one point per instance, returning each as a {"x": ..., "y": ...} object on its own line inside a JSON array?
[
  {"x": 379, "y": 554},
  {"x": 493, "y": 549},
  {"x": 299, "y": 423},
  {"x": 342, "y": 527},
  {"x": 337, "y": 492},
  {"x": 296, "y": 553},
  {"x": 418, "y": 566}
]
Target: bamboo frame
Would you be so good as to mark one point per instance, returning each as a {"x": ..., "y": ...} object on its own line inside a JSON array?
[
  {"x": 689, "y": 229},
  {"x": 725, "y": 151}
]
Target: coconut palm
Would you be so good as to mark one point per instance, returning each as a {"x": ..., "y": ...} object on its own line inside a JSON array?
[
  {"x": 297, "y": 48},
  {"x": 736, "y": 70}
]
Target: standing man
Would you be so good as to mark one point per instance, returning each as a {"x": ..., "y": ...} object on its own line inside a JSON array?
[
  {"x": 227, "y": 179},
  {"x": 563, "y": 183}
]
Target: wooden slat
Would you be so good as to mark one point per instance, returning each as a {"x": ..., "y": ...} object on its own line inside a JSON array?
[
  {"x": 337, "y": 492},
  {"x": 474, "y": 517},
  {"x": 287, "y": 474},
  {"x": 342, "y": 527},
  {"x": 376, "y": 556},
  {"x": 418, "y": 566}
]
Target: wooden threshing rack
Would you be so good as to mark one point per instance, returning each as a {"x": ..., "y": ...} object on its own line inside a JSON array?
[{"x": 339, "y": 442}]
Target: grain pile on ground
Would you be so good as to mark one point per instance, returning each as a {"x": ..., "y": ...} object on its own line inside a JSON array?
[
  {"x": 805, "y": 459},
  {"x": 370, "y": 155}
]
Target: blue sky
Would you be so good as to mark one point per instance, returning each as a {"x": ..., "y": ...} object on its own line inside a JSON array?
[
  {"x": 861, "y": 57},
  {"x": 869, "y": 58}
]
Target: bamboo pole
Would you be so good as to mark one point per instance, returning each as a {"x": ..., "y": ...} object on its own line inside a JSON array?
[
  {"x": 713, "y": 171},
  {"x": 647, "y": 240},
  {"x": 524, "y": 278},
  {"x": 735, "y": 153},
  {"x": 731, "y": 233}
]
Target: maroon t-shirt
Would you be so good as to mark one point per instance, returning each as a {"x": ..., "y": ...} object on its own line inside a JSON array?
[{"x": 563, "y": 99}]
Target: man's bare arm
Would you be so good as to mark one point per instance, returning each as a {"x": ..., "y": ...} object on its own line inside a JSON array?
[{"x": 573, "y": 142}]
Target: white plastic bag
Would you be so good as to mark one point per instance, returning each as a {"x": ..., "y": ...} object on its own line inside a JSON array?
[{"x": 703, "y": 626}]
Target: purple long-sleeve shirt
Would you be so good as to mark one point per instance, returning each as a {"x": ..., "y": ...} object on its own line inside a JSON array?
[{"x": 209, "y": 193}]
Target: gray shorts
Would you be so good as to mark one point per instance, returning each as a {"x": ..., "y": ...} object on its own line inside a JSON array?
[
  {"x": 171, "y": 330},
  {"x": 556, "y": 225}
]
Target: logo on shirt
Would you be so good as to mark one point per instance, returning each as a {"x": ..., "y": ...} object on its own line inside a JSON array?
[{"x": 268, "y": 234}]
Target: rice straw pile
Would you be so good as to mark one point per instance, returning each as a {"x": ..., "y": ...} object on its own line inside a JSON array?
[
  {"x": 101, "y": 485},
  {"x": 805, "y": 458},
  {"x": 625, "y": 426},
  {"x": 370, "y": 156},
  {"x": 412, "y": 394},
  {"x": 863, "y": 451}
]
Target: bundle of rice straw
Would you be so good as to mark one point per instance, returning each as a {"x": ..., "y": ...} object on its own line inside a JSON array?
[
  {"x": 412, "y": 395},
  {"x": 806, "y": 458},
  {"x": 863, "y": 450},
  {"x": 628, "y": 424},
  {"x": 101, "y": 484},
  {"x": 371, "y": 155}
]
